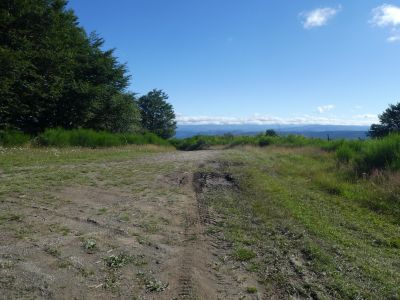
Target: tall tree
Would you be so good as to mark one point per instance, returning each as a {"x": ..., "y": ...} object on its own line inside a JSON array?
[
  {"x": 389, "y": 122},
  {"x": 157, "y": 115},
  {"x": 52, "y": 73}
]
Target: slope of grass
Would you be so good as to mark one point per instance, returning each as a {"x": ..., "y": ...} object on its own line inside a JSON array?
[{"x": 316, "y": 231}]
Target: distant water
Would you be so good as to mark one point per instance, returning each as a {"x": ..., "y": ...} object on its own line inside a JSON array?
[{"x": 315, "y": 131}]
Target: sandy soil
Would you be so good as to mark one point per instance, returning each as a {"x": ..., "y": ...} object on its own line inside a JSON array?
[{"x": 133, "y": 229}]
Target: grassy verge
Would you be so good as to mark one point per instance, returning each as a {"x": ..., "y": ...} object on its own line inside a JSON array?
[
  {"x": 307, "y": 228},
  {"x": 363, "y": 156},
  {"x": 80, "y": 138}
]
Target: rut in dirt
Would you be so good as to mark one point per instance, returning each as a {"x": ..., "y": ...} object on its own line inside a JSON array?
[{"x": 197, "y": 279}]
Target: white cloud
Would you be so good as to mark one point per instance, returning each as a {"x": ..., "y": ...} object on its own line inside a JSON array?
[
  {"x": 324, "y": 108},
  {"x": 318, "y": 17},
  {"x": 386, "y": 16},
  {"x": 257, "y": 119},
  {"x": 371, "y": 117},
  {"x": 393, "y": 38}
]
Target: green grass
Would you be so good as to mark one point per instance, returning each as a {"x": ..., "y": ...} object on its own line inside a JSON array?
[
  {"x": 251, "y": 290},
  {"x": 201, "y": 142},
  {"x": 58, "y": 137},
  {"x": 244, "y": 254},
  {"x": 364, "y": 157},
  {"x": 314, "y": 230},
  {"x": 93, "y": 139},
  {"x": 13, "y": 138}
]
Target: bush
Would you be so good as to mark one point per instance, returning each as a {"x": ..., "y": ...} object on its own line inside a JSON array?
[
  {"x": 271, "y": 132},
  {"x": 264, "y": 141},
  {"x": 344, "y": 154},
  {"x": 379, "y": 155},
  {"x": 93, "y": 139},
  {"x": 13, "y": 138}
]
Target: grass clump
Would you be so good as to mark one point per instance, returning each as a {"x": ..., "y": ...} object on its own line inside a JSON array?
[
  {"x": 10, "y": 138},
  {"x": 251, "y": 290},
  {"x": 151, "y": 284},
  {"x": 244, "y": 254},
  {"x": 90, "y": 245},
  {"x": 155, "y": 286},
  {"x": 117, "y": 261},
  {"x": 53, "y": 251},
  {"x": 122, "y": 259},
  {"x": 94, "y": 139}
]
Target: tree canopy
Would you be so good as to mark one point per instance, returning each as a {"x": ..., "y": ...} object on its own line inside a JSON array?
[
  {"x": 157, "y": 115},
  {"x": 55, "y": 75},
  {"x": 389, "y": 122}
]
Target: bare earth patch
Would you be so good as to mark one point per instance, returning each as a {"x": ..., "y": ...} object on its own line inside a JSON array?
[{"x": 132, "y": 229}]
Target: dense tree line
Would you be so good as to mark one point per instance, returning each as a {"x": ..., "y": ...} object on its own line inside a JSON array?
[
  {"x": 53, "y": 74},
  {"x": 389, "y": 122}
]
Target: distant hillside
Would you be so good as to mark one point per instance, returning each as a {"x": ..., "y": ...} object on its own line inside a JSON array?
[{"x": 316, "y": 131}]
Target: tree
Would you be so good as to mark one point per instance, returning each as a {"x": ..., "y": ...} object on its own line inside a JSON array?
[
  {"x": 270, "y": 132},
  {"x": 52, "y": 73},
  {"x": 389, "y": 122},
  {"x": 157, "y": 115}
]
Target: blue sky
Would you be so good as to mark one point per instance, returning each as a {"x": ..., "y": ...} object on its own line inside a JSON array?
[{"x": 258, "y": 61}]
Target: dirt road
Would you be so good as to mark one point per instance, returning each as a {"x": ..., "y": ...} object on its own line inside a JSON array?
[{"x": 132, "y": 228}]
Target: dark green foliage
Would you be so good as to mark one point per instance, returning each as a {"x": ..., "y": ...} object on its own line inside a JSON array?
[
  {"x": 54, "y": 75},
  {"x": 119, "y": 114},
  {"x": 91, "y": 138},
  {"x": 265, "y": 141},
  {"x": 389, "y": 122},
  {"x": 378, "y": 130},
  {"x": 13, "y": 138},
  {"x": 157, "y": 115},
  {"x": 270, "y": 132}
]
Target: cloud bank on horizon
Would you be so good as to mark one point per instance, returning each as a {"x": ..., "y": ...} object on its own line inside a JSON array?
[{"x": 257, "y": 119}]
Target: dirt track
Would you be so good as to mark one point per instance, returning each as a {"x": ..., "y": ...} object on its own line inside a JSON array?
[{"x": 147, "y": 221}]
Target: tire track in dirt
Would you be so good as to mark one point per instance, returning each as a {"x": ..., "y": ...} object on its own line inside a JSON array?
[{"x": 198, "y": 279}]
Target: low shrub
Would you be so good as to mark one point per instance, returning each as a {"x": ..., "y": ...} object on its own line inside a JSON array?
[
  {"x": 344, "y": 154},
  {"x": 13, "y": 138},
  {"x": 379, "y": 154},
  {"x": 93, "y": 139}
]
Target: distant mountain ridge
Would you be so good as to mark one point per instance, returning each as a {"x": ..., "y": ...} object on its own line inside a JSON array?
[{"x": 316, "y": 130}]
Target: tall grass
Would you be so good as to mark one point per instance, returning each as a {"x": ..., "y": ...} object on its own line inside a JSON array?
[
  {"x": 91, "y": 138},
  {"x": 13, "y": 138},
  {"x": 200, "y": 142},
  {"x": 378, "y": 154},
  {"x": 363, "y": 156}
]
